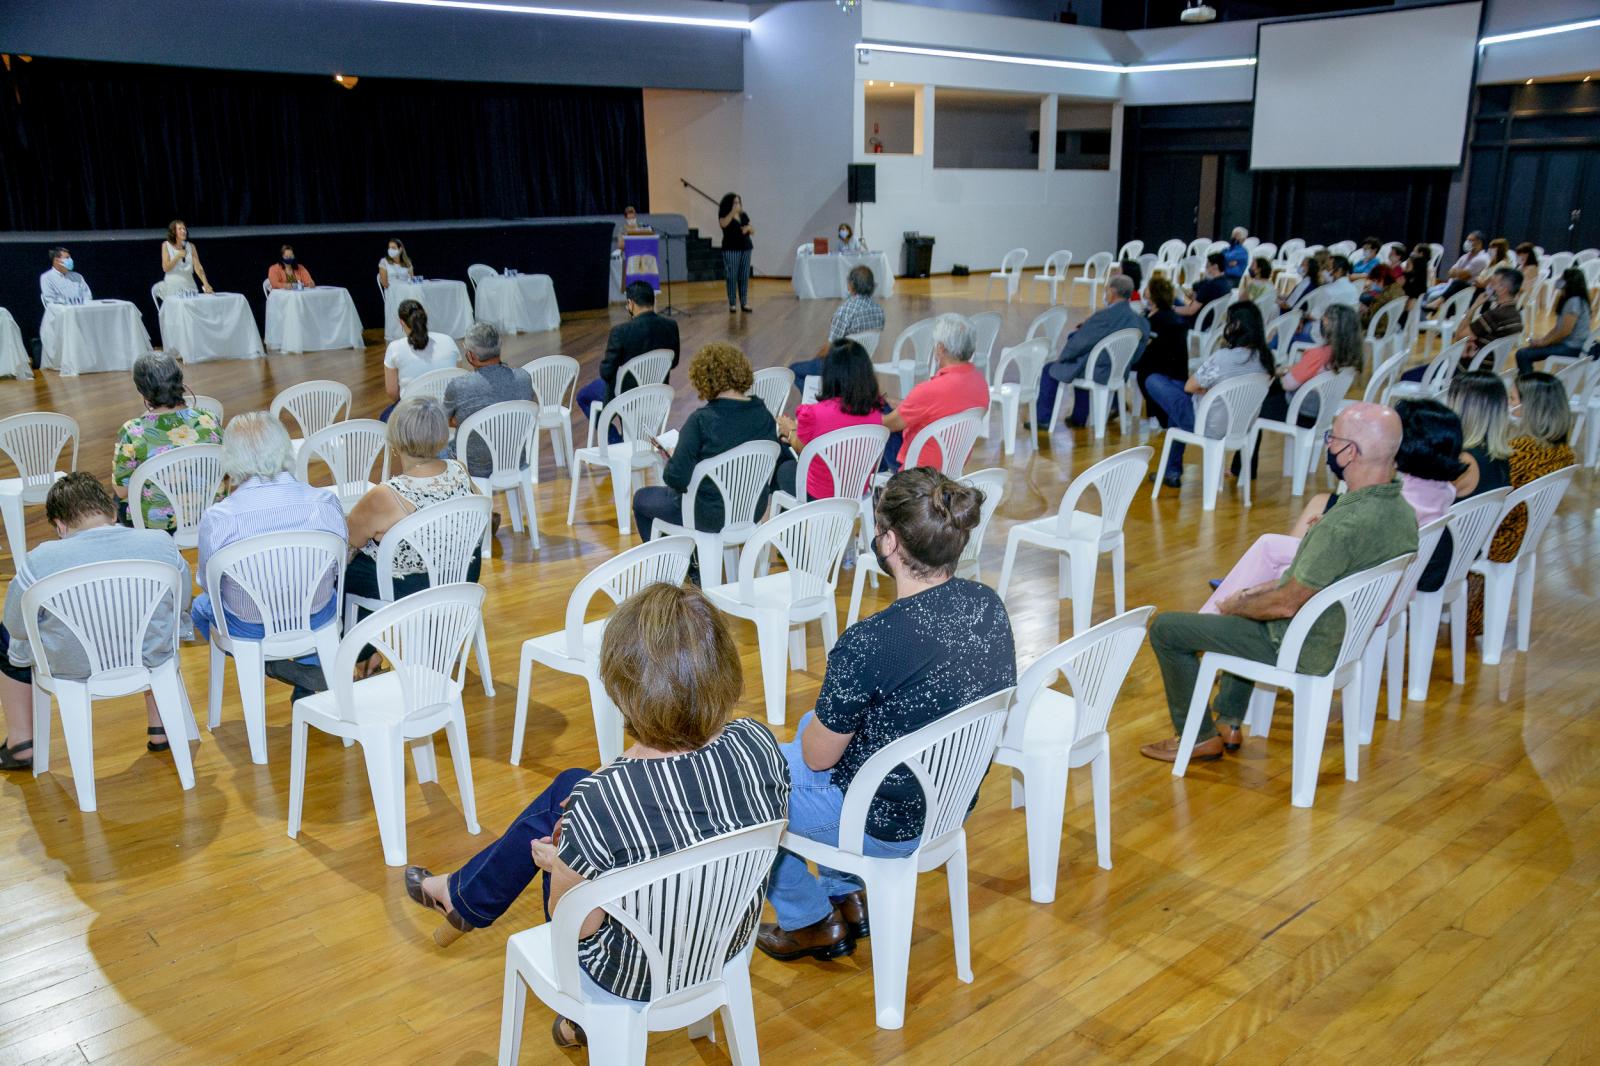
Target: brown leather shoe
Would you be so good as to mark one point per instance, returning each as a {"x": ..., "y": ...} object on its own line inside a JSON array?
[
  {"x": 1167, "y": 750},
  {"x": 1231, "y": 736},
  {"x": 853, "y": 912},
  {"x": 823, "y": 940}
]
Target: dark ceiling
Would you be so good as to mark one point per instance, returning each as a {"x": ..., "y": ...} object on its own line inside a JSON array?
[{"x": 1144, "y": 14}]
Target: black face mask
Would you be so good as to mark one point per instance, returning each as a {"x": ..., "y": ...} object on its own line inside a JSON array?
[
  {"x": 1336, "y": 465},
  {"x": 289, "y": 262},
  {"x": 883, "y": 560}
]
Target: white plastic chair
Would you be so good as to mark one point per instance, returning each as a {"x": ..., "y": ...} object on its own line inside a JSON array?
[
  {"x": 953, "y": 434},
  {"x": 1049, "y": 324},
  {"x": 444, "y": 534},
  {"x": 1056, "y": 268},
  {"x": 1388, "y": 644},
  {"x": 986, "y": 330},
  {"x": 1095, "y": 271},
  {"x": 1448, "y": 317},
  {"x": 1303, "y": 442},
  {"x": 209, "y": 404},
  {"x": 507, "y": 430},
  {"x": 1130, "y": 250},
  {"x": 433, "y": 383},
  {"x": 640, "y": 413},
  {"x": 810, "y": 539},
  {"x": 1010, "y": 272},
  {"x": 912, "y": 357},
  {"x": 1384, "y": 329},
  {"x": 313, "y": 405},
  {"x": 1384, "y": 378},
  {"x": 1049, "y": 733},
  {"x": 868, "y": 339},
  {"x": 33, "y": 442},
  {"x": 1541, "y": 496},
  {"x": 1362, "y": 597},
  {"x": 155, "y": 296},
  {"x": 1079, "y": 538},
  {"x": 1205, "y": 322},
  {"x": 575, "y": 648},
  {"x": 1239, "y": 398},
  {"x": 189, "y": 477},
  {"x": 266, "y": 286},
  {"x": 947, "y": 758},
  {"x": 281, "y": 574},
  {"x": 425, "y": 638},
  {"x": 1436, "y": 378},
  {"x": 851, "y": 455},
  {"x": 1471, "y": 524},
  {"x": 555, "y": 378},
  {"x": 1117, "y": 351},
  {"x": 771, "y": 386},
  {"x": 478, "y": 271},
  {"x": 1019, "y": 397},
  {"x": 1171, "y": 251},
  {"x": 1280, "y": 332},
  {"x": 1488, "y": 356},
  {"x": 740, "y": 475},
  {"x": 108, "y": 607},
  {"x": 650, "y": 368},
  {"x": 683, "y": 910},
  {"x": 350, "y": 450}
]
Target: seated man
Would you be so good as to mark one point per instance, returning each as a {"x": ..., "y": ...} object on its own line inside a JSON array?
[
  {"x": 956, "y": 386},
  {"x": 1117, "y": 314},
  {"x": 1370, "y": 524},
  {"x": 1214, "y": 286},
  {"x": 1366, "y": 257},
  {"x": 84, "y": 516},
  {"x": 1474, "y": 257},
  {"x": 1493, "y": 315},
  {"x": 61, "y": 284},
  {"x": 644, "y": 332},
  {"x": 287, "y": 270},
  {"x": 859, "y": 313},
  {"x": 1339, "y": 289},
  {"x": 1237, "y": 256},
  {"x": 491, "y": 382}
]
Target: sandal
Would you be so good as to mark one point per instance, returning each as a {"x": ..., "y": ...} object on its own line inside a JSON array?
[
  {"x": 579, "y": 1038},
  {"x": 8, "y": 756},
  {"x": 157, "y": 731},
  {"x": 454, "y": 926}
]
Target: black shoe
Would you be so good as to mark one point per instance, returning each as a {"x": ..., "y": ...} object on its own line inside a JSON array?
[
  {"x": 732, "y": 309},
  {"x": 747, "y": 310},
  {"x": 1215, "y": 582},
  {"x": 9, "y": 753}
]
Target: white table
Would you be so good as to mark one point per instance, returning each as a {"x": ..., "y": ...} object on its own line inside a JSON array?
[
  {"x": 822, "y": 277},
  {"x": 100, "y": 335},
  {"x": 312, "y": 320},
  {"x": 200, "y": 328},
  {"x": 525, "y": 303},
  {"x": 13, "y": 355},
  {"x": 449, "y": 308}
]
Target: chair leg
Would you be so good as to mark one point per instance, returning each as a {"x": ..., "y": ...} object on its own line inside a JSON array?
[
  {"x": 167, "y": 688},
  {"x": 1210, "y": 475},
  {"x": 1258, "y": 712},
  {"x": 519, "y": 724},
  {"x": 739, "y": 1013},
  {"x": 1423, "y": 619},
  {"x": 1525, "y": 602},
  {"x": 772, "y": 635},
  {"x": 77, "y": 729},
  {"x": 533, "y": 515},
  {"x": 1372, "y": 657},
  {"x": 512, "y": 1005},
  {"x": 829, "y": 622},
  {"x": 485, "y": 671},
  {"x": 514, "y": 510},
  {"x": 1099, "y": 408},
  {"x": 1084, "y": 562},
  {"x": 16, "y": 524},
  {"x": 704, "y": 1029},
  {"x": 455, "y": 734},
  {"x": 215, "y": 679},
  {"x": 856, "y": 583},
  {"x": 1100, "y": 777},
  {"x": 1458, "y": 637},
  {"x": 1497, "y": 589},
  {"x": 1396, "y": 657},
  {"x": 297, "y": 772},
  {"x": 1010, "y": 560},
  {"x": 955, "y": 870},
  {"x": 1299, "y": 446},
  {"x": 1197, "y": 708},
  {"x": 607, "y": 722},
  {"x": 574, "y": 475},
  {"x": 1313, "y": 699},
  {"x": 487, "y": 547},
  {"x": 41, "y": 731},
  {"x": 386, "y": 775},
  {"x": 1119, "y": 576},
  {"x": 1008, "y": 415},
  {"x": 249, "y": 668},
  {"x": 425, "y": 760},
  {"x": 1351, "y": 699},
  {"x": 1161, "y": 466},
  {"x": 622, "y": 497},
  {"x": 1044, "y": 791},
  {"x": 617, "y": 1035},
  {"x": 894, "y": 884}
]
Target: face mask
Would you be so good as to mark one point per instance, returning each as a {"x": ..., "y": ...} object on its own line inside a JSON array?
[
  {"x": 66, "y": 264},
  {"x": 1336, "y": 465},
  {"x": 288, "y": 261},
  {"x": 1466, "y": 246},
  {"x": 394, "y": 253},
  {"x": 844, "y": 235},
  {"x": 883, "y": 560}
]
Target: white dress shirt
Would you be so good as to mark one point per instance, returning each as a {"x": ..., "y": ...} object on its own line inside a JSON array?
[
  {"x": 1342, "y": 291},
  {"x": 64, "y": 288}
]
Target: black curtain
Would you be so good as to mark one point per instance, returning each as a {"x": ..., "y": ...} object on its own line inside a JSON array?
[{"x": 114, "y": 146}]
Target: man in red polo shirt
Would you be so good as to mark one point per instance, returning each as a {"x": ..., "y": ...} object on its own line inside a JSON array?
[{"x": 956, "y": 386}]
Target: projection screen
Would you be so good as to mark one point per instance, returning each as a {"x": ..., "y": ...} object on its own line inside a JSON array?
[{"x": 1391, "y": 89}]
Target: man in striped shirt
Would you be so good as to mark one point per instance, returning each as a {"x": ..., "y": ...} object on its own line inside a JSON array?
[{"x": 859, "y": 313}]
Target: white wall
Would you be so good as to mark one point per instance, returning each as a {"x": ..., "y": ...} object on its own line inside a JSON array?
[{"x": 695, "y": 136}]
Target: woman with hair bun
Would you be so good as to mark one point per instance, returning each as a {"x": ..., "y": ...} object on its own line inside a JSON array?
[
  {"x": 415, "y": 354},
  {"x": 943, "y": 643}
]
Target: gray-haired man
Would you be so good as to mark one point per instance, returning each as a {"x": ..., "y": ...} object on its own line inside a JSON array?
[
  {"x": 1117, "y": 314},
  {"x": 491, "y": 382}
]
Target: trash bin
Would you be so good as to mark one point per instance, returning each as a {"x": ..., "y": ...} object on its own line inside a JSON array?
[{"x": 918, "y": 256}]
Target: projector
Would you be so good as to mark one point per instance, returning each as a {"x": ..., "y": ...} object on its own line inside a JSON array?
[{"x": 1198, "y": 13}]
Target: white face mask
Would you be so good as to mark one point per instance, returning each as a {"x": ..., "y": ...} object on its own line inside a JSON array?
[
  {"x": 1466, "y": 246},
  {"x": 844, "y": 235},
  {"x": 394, "y": 253}
]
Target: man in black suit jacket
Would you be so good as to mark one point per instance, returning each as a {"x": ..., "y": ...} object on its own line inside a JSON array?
[{"x": 645, "y": 331}]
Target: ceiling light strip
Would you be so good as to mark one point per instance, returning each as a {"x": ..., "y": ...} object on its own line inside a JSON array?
[
  {"x": 579, "y": 13},
  {"x": 1056, "y": 64},
  {"x": 1545, "y": 31}
]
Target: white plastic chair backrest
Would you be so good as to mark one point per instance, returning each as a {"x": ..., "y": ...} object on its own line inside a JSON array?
[
  {"x": 1384, "y": 377},
  {"x": 281, "y": 575},
  {"x": 425, "y": 637},
  {"x": 1190, "y": 270},
  {"x": 947, "y": 758},
  {"x": 1215, "y": 247},
  {"x": 1094, "y": 665},
  {"x": 1240, "y": 397},
  {"x": 155, "y": 295},
  {"x": 918, "y": 337},
  {"x": 1436, "y": 254},
  {"x": 772, "y": 385},
  {"x": 1488, "y": 355},
  {"x": 682, "y": 910},
  {"x": 1057, "y": 264},
  {"x": 1292, "y": 246},
  {"x": 209, "y": 404},
  {"x": 1114, "y": 479},
  {"x": 1171, "y": 251},
  {"x": 478, "y": 271},
  {"x": 1251, "y": 243},
  {"x": 107, "y": 608},
  {"x": 506, "y": 429},
  {"x": 1265, "y": 250},
  {"x": 34, "y": 442},
  {"x": 266, "y": 286},
  {"x": 805, "y": 249},
  {"x": 1591, "y": 271},
  {"x": 1428, "y": 537},
  {"x": 1129, "y": 250},
  {"x": 1267, "y": 304},
  {"x": 1014, "y": 261},
  {"x": 1386, "y": 322},
  {"x": 639, "y": 413},
  {"x": 554, "y": 378},
  {"x": 1472, "y": 523},
  {"x": 1314, "y": 303},
  {"x": 868, "y": 339},
  {"x": 663, "y": 561},
  {"x": 313, "y": 405},
  {"x": 740, "y": 475},
  {"x": 851, "y": 455},
  {"x": 1147, "y": 266},
  {"x": 1049, "y": 325},
  {"x": 1541, "y": 496},
  {"x": 1343, "y": 248},
  {"x": 650, "y": 368},
  {"x": 1329, "y": 387},
  {"x": 1585, "y": 255},
  {"x": 1206, "y": 320},
  {"x": 955, "y": 435},
  {"x": 1450, "y": 312},
  {"x": 190, "y": 477},
  {"x": 1362, "y": 596},
  {"x": 1029, "y": 359},
  {"x": 1442, "y": 369},
  {"x": 432, "y": 383},
  {"x": 1280, "y": 335},
  {"x": 349, "y": 450},
  {"x": 1096, "y": 265},
  {"x": 444, "y": 534},
  {"x": 986, "y": 327},
  {"x": 991, "y": 481},
  {"x": 1117, "y": 349},
  {"x": 810, "y": 539},
  {"x": 1383, "y": 252}
]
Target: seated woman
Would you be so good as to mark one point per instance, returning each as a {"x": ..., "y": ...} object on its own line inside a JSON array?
[
  {"x": 417, "y": 353},
  {"x": 1312, "y": 268},
  {"x": 1243, "y": 351},
  {"x": 943, "y": 643},
  {"x": 168, "y": 422},
  {"x": 848, "y": 397},
  {"x": 848, "y": 242},
  {"x": 722, "y": 377},
  {"x": 1258, "y": 280},
  {"x": 670, "y": 664},
  {"x": 1341, "y": 349},
  {"x": 288, "y": 271},
  {"x": 1383, "y": 287},
  {"x": 1167, "y": 352},
  {"x": 418, "y": 431},
  {"x": 180, "y": 263},
  {"x": 1527, "y": 260},
  {"x": 395, "y": 267},
  {"x": 1570, "y": 333},
  {"x": 1479, "y": 399}
]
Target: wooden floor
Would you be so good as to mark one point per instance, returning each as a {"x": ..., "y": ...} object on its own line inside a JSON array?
[{"x": 1440, "y": 910}]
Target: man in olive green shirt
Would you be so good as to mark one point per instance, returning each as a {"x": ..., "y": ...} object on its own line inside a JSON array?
[{"x": 1370, "y": 524}]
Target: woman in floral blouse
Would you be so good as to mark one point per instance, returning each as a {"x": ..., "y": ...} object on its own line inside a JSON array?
[{"x": 168, "y": 422}]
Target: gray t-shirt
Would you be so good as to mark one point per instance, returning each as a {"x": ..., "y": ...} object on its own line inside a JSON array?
[
  {"x": 1580, "y": 329},
  {"x": 467, "y": 395},
  {"x": 1219, "y": 366}
]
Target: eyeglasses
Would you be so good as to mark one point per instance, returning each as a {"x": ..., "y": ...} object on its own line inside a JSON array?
[{"x": 1328, "y": 438}]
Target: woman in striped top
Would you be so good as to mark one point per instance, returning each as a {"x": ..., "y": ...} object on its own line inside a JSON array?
[{"x": 670, "y": 664}]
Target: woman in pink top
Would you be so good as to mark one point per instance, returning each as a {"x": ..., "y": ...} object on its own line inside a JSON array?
[
  {"x": 848, "y": 397},
  {"x": 1341, "y": 348}
]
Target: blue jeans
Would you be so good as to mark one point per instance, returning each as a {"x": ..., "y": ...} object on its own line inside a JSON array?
[
  {"x": 484, "y": 888},
  {"x": 1047, "y": 402},
  {"x": 815, "y": 802},
  {"x": 597, "y": 392},
  {"x": 1179, "y": 405},
  {"x": 805, "y": 368},
  {"x": 737, "y": 267},
  {"x": 1531, "y": 355}
]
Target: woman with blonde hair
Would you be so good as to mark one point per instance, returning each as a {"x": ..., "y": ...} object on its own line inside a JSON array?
[{"x": 1479, "y": 398}]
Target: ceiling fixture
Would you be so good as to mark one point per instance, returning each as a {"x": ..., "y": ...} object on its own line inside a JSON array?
[
  {"x": 865, "y": 49},
  {"x": 579, "y": 13},
  {"x": 347, "y": 80},
  {"x": 1198, "y": 11},
  {"x": 847, "y": 6},
  {"x": 1543, "y": 31}
]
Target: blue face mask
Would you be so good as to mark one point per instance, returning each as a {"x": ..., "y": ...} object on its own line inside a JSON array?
[{"x": 66, "y": 264}]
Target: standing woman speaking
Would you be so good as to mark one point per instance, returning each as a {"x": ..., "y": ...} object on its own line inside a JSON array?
[{"x": 736, "y": 245}]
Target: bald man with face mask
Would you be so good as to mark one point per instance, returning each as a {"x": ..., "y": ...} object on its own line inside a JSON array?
[{"x": 1370, "y": 524}]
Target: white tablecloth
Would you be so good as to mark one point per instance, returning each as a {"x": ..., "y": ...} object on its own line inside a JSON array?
[
  {"x": 13, "y": 355},
  {"x": 821, "y": 277},
  {"x": 200, "y": 328},
  {"x": 522, "y": 304},
  {"x": 312, "y": 320},
  {"x": 449, "y": 308},
  {"x": 88, "y": 338}
]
